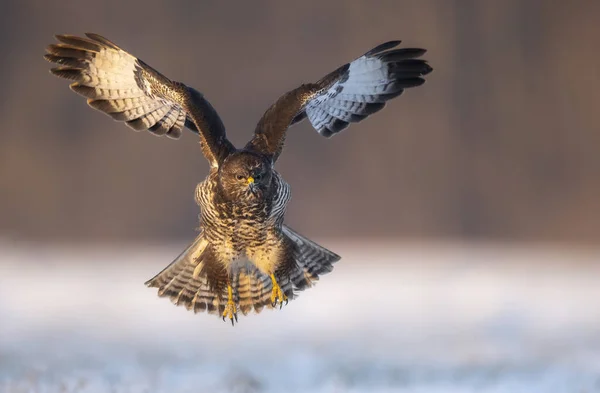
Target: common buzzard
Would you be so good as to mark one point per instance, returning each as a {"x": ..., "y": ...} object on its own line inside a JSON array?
[{"x": 244, "y": 257}]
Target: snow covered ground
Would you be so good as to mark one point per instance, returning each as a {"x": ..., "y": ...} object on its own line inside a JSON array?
[{"x": 390, "y": 318}]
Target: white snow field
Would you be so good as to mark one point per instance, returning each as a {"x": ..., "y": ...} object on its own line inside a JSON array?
[{"x": 414, "y": 317}]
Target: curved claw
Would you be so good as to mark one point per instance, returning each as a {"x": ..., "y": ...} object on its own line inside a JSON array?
[{"x": 277, "y": 295}]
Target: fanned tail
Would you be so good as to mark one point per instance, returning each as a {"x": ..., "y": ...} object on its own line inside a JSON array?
[{"x": 198, "y": 281}]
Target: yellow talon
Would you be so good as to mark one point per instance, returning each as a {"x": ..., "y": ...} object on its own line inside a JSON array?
[
  {"x": 230, "y": 309},
  {"x": 277, "y": 294}
]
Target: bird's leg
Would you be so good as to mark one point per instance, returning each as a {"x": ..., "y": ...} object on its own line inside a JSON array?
[
  {"x": 230, "y": 309},
  {"x": 277, "y": 294}
]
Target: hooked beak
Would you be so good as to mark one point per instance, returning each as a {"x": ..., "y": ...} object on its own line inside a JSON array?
[{"x": 252, "y": 185}]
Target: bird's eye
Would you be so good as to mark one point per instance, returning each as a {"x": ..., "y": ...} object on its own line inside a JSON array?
[
  {"x": 240, "y": 177},
  {"x": 257, "y": 177}
]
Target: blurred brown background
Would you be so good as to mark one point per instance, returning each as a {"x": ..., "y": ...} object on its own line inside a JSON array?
[{"x": 501, "y": 143}]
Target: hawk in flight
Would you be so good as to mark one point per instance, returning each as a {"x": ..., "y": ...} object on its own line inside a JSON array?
[{"x": 244, "y": 257}]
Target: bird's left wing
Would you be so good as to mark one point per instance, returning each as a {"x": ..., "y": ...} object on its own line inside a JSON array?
[
  {"x": 129, "y": 90},
  {"x": 347, "y": 95}
]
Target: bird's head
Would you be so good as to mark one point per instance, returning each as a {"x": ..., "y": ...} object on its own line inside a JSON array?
[{"x": 246, "y": 176}]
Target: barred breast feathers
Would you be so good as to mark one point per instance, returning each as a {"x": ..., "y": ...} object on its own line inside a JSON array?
[
  {"x": 238, "y": 231},
  {"x": 210, "y": 212},
  {"x": 281, "y": 199}
]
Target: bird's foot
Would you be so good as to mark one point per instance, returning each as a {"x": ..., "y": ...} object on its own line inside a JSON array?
[
  {"x": 277, "y": 294},
  {"x": 230, "y": 309}
]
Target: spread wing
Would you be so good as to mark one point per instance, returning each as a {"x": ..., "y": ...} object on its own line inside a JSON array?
[
  {"x": 347, "y": 95},
  {"x": 131, "y": 91}
]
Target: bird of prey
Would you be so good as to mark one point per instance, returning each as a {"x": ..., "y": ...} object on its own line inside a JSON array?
[{"x": 244, "y": 257}]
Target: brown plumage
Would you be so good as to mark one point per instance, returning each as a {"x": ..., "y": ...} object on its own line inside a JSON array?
[{"x": 244, "y": 257}]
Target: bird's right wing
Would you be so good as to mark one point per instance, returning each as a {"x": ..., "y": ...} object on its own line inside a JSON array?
[{"x": 131, "y": 91}]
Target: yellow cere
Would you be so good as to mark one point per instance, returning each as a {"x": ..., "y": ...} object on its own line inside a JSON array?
[{"x": 250, "y": 180}]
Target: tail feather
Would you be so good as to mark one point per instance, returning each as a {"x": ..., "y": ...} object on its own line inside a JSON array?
[
  {"x": 244, "y": 293},
  {"x": 311, "y": 259},
  {"x": 253, "y": 290}
]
